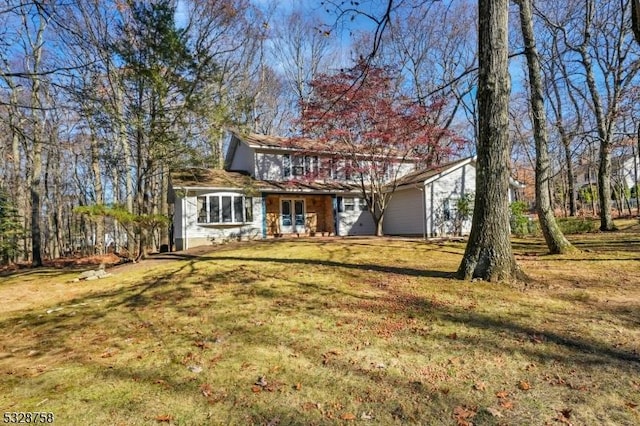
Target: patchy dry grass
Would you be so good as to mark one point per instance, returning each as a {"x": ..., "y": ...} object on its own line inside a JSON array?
[{"x": 370, "y": 331}]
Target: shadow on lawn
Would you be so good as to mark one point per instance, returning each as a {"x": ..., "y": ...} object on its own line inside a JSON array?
[
  {"x": 368, "y": 267},
  {"x": 168, "y": 291}
]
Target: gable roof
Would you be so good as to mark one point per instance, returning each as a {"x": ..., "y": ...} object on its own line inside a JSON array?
[
  {"x": 301, "y": 144},
  {"x": 258, "y": 141},
  {"x": 424, "y": 176},
  {"x": 218, "y": 179},
  {"x": 210, "y": 178}
]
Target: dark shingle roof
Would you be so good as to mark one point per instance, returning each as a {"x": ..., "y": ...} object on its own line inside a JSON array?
[
  {"x": 209, "y": 178},
  {"x": 419, "y": 176},
  {"x": 222, "y": 179}
]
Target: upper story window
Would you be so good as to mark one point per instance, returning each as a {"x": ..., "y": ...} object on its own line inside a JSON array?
[
  {"x": 225, "y": 209},
  {"x": 299, "y": 165}
]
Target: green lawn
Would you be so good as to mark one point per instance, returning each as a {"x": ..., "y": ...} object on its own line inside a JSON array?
[{"x": 367, "y": 331}]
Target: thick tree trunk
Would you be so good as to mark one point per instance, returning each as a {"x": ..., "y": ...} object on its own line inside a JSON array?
[
  {"x": 488, "y": 254},
  {"x": 556, "y": 241},
  {"x": 604, "y": 186}
]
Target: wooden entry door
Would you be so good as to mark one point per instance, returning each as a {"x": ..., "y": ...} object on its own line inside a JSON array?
[{"x": 292, "y": 214}]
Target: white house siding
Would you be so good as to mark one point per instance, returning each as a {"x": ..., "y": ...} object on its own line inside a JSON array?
[
  {"x": 448, "y": 188},
  {"x": 243, "y": 160},
  {"x": 177, "y": 218},
  {"x": 356, "y": 222},
  {"x": 198, "y": 234},
  {"x": 406, "y": 168},
  {"x": 268, "y": 166},
  {"x": 414, "y": 212},
  {"x": 405, "y": 213},
  {"x": 628, "y": 171}
]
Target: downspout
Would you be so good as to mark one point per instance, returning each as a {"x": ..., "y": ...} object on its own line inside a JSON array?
[
  {"x": 264, "y": 215},
  {"x": 334, "y": 201},
  {"x": 185, "y": 243},
  {"x": 431, "y": 211},
  {"x": 423, "y": 210}
]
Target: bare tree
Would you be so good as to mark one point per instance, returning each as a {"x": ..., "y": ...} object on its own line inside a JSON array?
[
  {"x": 556, "y": 242},
  {"x": 599, "y": 39}
]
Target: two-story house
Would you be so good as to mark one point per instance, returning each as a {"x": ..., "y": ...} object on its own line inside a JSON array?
[
  {"x": 270, "y": 187},
  {"x": 274, "y": 186}
]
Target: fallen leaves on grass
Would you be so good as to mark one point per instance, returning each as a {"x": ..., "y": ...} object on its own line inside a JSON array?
[
  {"x": 164, "y": 418},
  {"x": 506, "y": 404},
  {"x": 463, "y": 415},
  {"x": 328, "y": 356},
  {"x": 494, "y": 412},
  {"x": 206, "y": 389},
  {"x": 502, "y": 394},
  {"x": 523, "y": 385},
  {"x": 480, "y": 386},
  {"x": 348, "y": 416},
  {"x": 564, "y": 415},
  {"x": 202, "y": 344},
  {"x": 308, "y": 406}
]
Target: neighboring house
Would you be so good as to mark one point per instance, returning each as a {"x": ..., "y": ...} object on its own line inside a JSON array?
[
  {"x": 425, "y": 202},
  {"x": 625, "y": 171},
  {"x": 276, "y": 186}
]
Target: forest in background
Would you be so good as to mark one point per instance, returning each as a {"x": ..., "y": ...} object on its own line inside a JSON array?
[{"x": 100, "y": 99}]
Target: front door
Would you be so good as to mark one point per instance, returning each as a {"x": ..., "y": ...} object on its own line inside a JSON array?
[{"x": 292, "y": 216}]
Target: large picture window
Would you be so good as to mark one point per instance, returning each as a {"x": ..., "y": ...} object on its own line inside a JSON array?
[{"x": 225, "y": 209}]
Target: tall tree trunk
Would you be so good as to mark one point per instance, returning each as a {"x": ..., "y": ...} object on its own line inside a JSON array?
[
  {"x": 637, "y": 156},
  {"x": 488, "y": 254},
  {"x": 556, "y": 241},
  {"x": 36, "y": 149},
  {"x": 635, "y": 19},
  {"x": 604, "y": 170},
  {"x": 164, "y": 204},
  {"x": 97, "y": 185},
  {"x": 570, "y": 178},
  {"x": 17, "y": 122}
]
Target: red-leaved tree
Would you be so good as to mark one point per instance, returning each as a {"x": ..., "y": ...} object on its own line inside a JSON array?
[{"x": 375, "y": 134}]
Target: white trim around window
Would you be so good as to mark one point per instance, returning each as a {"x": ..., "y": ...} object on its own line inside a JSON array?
[{"x": 224, "y": 209}]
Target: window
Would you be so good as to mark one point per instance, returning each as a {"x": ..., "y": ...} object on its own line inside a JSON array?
[
  {"x": 353, "y": 204},
  {"x": 349, "y": 204},
  {"x": 450, "y": 209},
  {"x": 286, "y": 165},
  {"x": 299, "y": 165},
  {"x": 224, "y": 209},
  {"x": 202, "y": 209},
  {"x": 328, "y": 168}
]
